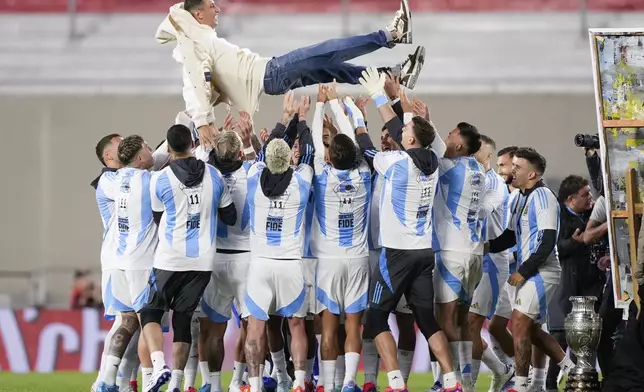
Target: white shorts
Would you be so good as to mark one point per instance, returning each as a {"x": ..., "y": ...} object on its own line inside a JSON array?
[
  {"x": 106, "y": 295},
  {"x": 503, "y": 306},
  {"x": 126, "y": 291},
  {"x": 276, "y": 287},
  {"x": 227, "y": 287},
  {"x": 374, "y": 258},
  {"x": 309, "y": 266},
  {"x": 342, "y": 285},
  {"x": 532, "y": 298},
  {"x": 487, "y": 293},
  {"x": 456, "y": 276}
]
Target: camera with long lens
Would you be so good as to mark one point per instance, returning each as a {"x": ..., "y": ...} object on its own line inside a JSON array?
[{"x": 586, "y": 141}]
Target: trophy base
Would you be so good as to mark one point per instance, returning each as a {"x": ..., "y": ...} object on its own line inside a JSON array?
[{"x": 583, "y": 380}]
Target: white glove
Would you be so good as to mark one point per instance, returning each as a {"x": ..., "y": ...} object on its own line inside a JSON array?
[
  {"x": 354, "y": 112},
  {"x": 373, "y": 81}
]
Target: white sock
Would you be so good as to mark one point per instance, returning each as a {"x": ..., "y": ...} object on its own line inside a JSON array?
[
  {"x": 300, "y": 375},
  {"x": 395, "y": 379},
  {"x": 498, "y": 351},
  {"x": 279, "y": 363},
  {"x": 340, "y": 370},
  {"x": 205, "y": 372},
  {"x": 521, "y": 384},
  {"x": 450, "y": 380},
  {"x": 245, "y": 376},
  {"x": 129, "y": 362},
  {"x": 158, "y": 360},
  {"x": 352, "y": 361},
  {"x": 106, "y": 346},
  {"x": 135, "y": 372},
  {"x": 539, "y": 378},
  {"x": 465, "y": 361},
  {"x": 453, "y": 352},
  {"x": 190, "y": 375},
  {"x": 238, "y": 373},
  {"x": 476, "y": 366},
  {"x": 328, "y": 371},
  {"x": 566, "y": 364},
  {"x": 111, "y": 369},
  {"x": 254, "y": 384},
  {"x": 309, "y": 369},
  {"x": 175, "y": 381},
  {"x": 405, "y": 361},
  {"x": 493, "y": 362},
  {"x": 437, "y": 372},
  {"x": 215, "y": 382},
  {"x": 370, "y": 361},
  {"x": 146, "y": 373},
  {"x": 262, "y": 369}
]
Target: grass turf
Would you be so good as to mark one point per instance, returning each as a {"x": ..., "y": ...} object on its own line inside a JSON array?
[{"x": 81, "y": 382}]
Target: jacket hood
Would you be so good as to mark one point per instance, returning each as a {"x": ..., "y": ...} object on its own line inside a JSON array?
[
  {"x": 274, "y": 185},
  {"x": 224, "y": 167},
  {"x": 189, "y": 171},
  {"x": 424, "y": 159}
]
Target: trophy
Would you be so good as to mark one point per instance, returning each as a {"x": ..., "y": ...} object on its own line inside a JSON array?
[{"x": 583, "y": 330}]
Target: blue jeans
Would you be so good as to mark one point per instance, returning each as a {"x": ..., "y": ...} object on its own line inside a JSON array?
[{"x": 321, "y": 63}]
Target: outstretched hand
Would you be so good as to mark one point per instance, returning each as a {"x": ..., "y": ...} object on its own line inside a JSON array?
[
  {"x": 290, "y": 107},
  {"x": 373, "y": 82}
]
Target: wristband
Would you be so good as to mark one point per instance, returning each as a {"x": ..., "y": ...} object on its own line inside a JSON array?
[
  {"x": 360, "y": 123},
  {"x": 249, "y": 150},
  {"x": 380, "y": 100}
]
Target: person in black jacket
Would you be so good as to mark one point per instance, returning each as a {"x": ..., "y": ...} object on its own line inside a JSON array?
[{"x": 578, "y": 275}]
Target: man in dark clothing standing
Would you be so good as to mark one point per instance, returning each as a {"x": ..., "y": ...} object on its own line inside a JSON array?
[{"x": 579, "y": 275}]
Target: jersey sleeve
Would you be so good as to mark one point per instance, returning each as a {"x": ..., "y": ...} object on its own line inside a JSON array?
[
  {"x": 493, "y": 197},
  {"x": 547, "y": 210},
  {"x": 226, "y": 198},
  {"x": 156, "y": 193},
  {"x": 382, "y": 161}
]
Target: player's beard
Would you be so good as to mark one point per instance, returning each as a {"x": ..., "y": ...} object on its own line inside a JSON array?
[{"x": 508, "y": 180}]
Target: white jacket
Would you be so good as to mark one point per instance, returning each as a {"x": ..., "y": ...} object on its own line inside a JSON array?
[{"x": 236, "y": 75}]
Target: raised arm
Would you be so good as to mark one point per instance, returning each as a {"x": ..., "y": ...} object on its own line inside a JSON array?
[
  {"x": 317, "y": 126},
  {"x": 337, "y": 109}
]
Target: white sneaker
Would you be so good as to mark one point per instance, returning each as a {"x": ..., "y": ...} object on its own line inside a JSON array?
[
  {"x": 158, "y": 380},
  {"x": 499, "y": 381},
  {"x": 400, "y": 26},
  {"x": 411, "y": 67},
  {"x": 532, "y": 388}
]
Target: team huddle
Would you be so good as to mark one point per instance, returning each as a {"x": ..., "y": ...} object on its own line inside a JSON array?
[{"x": 312, "y": 227}]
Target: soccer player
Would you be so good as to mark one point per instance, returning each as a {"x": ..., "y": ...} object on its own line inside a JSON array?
[
  {"x": 342, "y": 190},
  {"x": 494, "y": 212},
  {"x": 533, "y": 227},
  {"x": 130, "y": 242},
  {"x": 406, "y": 263},
  {"x": 277, "y": 196},
  {"x": 457, "y": 236},
  {"x": 216, "y": 71},
  {"x": 404, "y": 315},
  {"x": 188, "y": 197},
  {"x": 228, "y": 282}
]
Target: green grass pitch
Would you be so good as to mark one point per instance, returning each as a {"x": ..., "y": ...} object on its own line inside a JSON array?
[{"x": 81, "y": 382}]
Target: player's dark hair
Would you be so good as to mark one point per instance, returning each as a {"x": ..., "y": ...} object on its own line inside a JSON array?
[
  {"x": 342, "y": 152},
  {"x": 488, "y": 140},
  {"x": 470, "y": 136},
  {"x": 102, "y": 144},
  {"x": 531, "y": 155},
  {"x": 571, "y": 185},
  {"x": 129, "y": 148},
  {"x": 192, "y": 5},
  {"x": 424, "y": 131},
  {"x": 179, "y": 138},
  {"x": 510, "y": 150}
]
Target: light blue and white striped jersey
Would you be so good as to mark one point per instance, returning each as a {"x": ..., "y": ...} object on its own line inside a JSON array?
[
  {"x": 188, "y": 227},
  {"x": 277, "y": 223},
  {"x": 106, "y": 193},
  {"x": 236, "y": 237},
  {"x": 406, "y": 201},
  {"x": 374, "y": 212},
  {"x": 531, "y": 215},
  {"x": 341, "y": 217},
  {"x": 458, "y": 203},
  {"x": 495, "y": 210},
  {"x": 133, "y": 232}
]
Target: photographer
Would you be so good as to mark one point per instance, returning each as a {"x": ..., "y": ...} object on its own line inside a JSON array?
[{"x": 590, "y": 143}]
